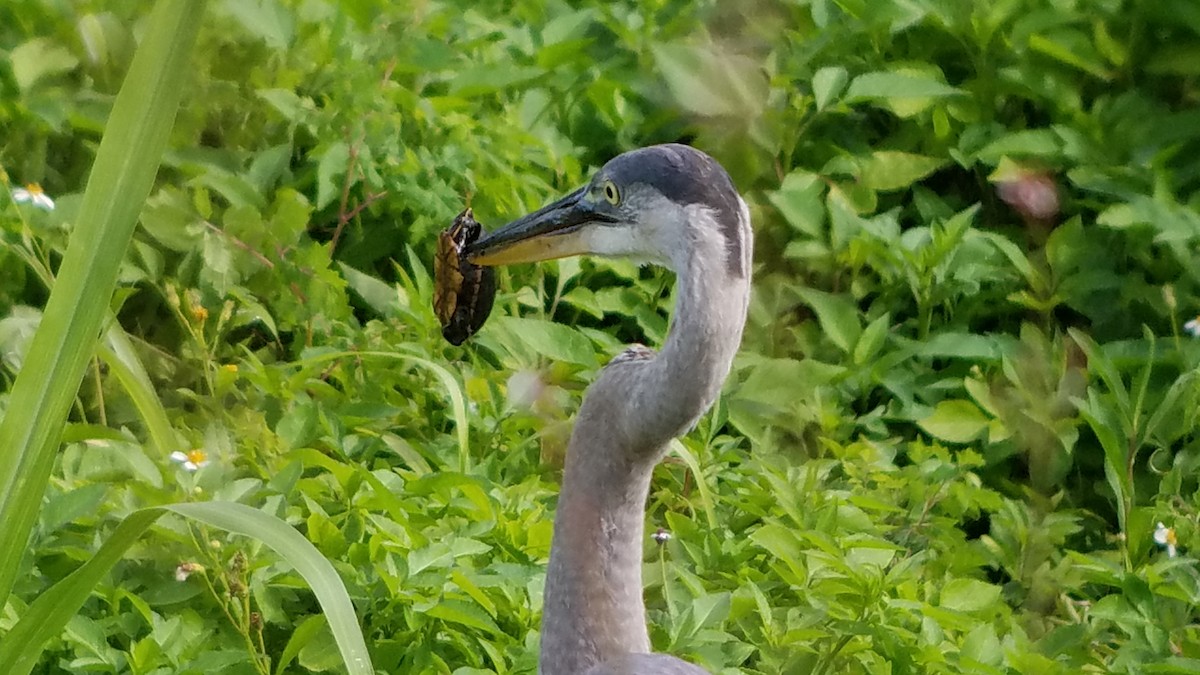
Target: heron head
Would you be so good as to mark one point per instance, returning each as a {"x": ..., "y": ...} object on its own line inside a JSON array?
[{"x": 661, "y": 204}]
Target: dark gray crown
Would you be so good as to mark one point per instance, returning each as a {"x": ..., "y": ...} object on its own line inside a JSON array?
[{"x": 686, "y": 176}]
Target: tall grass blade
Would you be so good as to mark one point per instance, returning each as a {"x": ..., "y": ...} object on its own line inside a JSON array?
[
  {"x": 121, "y": 178},
  {"x": 123, "y": 363}
]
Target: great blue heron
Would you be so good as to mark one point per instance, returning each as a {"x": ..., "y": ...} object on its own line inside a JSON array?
[{"x": 675, "y": 206}]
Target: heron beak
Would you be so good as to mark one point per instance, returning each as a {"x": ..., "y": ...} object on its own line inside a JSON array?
[{"x": 556, "y": 230}]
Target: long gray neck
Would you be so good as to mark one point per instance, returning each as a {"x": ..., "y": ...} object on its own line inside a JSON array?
[{"x": 593, "y": 609}]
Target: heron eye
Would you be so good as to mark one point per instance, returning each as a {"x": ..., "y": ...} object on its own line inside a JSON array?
[{"x": 611, "y": 193}]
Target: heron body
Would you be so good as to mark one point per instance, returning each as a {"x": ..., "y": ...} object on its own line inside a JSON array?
[{"x": 670, "y": 205}]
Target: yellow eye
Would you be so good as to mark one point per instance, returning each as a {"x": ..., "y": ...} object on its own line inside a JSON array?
[{"x": 611, "y": 193}]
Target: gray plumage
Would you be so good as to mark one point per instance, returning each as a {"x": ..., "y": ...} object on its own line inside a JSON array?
[{"x": 674, "y": 206}]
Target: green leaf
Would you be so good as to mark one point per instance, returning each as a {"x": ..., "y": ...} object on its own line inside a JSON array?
[
  {"x": 800, "y": 198},
  {"x": 380, "y": 296},
  {"x": 477, "y": 80},
  {"x": 693, "y": 464},
  {"x": 1171, "y": 407},
  {"x": 331, "y": 172},
  {"x": 464, "y": 613},
  {"x": 872, "y": 339},
  {"x": 890, "y": 170},
  {"x": 969, "y": 595},
  {"x": 406, "y": 452},
  {"x": 267, "y": 20},
  {"x": 982, "y": 645},
  {"x": 838, "y": 317},
  {"x": 896, "y": 86},
  {"x": 318, "y": 654},
  {"x": 1044, "y": 143},
  {"x": 828, "y": 83},
  {"x": 554, "y": 341},
  {"x": 709, "y": 611},
  {"x": 782, "y": 543},
  {"x": 1171, "y": 221},
  {"x": 1174, "y": 665},
  {"x": 1073, "y": 48},
  {"x": 16, "y": 332},
  {"x": 70, "y": 505},
  {"x": 955, "y": 421},
  {"x": 969, "y": 346},
  {"x": 297, "y": 427},
  {"x": 1100, "y": 363},
  {"x": 37, "y": 59}
]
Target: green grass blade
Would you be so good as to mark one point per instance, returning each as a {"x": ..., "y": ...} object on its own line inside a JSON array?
[
  {"x": 125, "y": 365},
  {"x": 121, "y": 178},
  {"x": 305, "y": 558},
  {"x": 46, "y": 617}
]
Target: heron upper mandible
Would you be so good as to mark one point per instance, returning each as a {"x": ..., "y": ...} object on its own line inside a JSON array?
[{"x": 674, "y": 206}]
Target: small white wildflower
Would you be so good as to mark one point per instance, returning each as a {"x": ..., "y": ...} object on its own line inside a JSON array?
[
  {"x": 1192, "y": 327},
  {"x": 661, "y": 536},
  {"x": 1165, "y": 536},
  {"x": 33, "y": 194},
  {"x": 191, "y": 460},
  {"x": 187, "y": 569}
]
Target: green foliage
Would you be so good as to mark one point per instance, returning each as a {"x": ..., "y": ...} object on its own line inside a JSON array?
[
  {"x": 965, "y": 401},
  {"x": 62, "y": 344}
]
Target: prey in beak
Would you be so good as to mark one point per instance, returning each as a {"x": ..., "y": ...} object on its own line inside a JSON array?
[{"x": 556, "y": 230}]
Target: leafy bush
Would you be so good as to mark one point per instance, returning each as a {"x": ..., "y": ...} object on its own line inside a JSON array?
[{"x": 960, "y": 435}]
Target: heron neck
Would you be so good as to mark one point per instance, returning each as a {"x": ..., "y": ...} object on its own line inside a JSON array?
[
  {"x": 593, "y": 609},
  {"x": 705, "y": 333}
]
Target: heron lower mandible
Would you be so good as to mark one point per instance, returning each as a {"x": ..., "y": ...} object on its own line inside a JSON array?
[{"x": 675, "y": 206}]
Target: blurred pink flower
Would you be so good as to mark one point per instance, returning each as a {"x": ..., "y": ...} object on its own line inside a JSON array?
[{"x": 1031, "y": 192}]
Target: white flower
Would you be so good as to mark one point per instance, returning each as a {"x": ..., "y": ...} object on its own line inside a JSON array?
[
  {"x": 1192, "y": 327},
  {"x": 661, "y": 536},
  {"x": 33, "y": 194},
  {"x": 191, "y": 460},
  {"x": 1165, "y": 536},
  {"x": 187, "y": 569}
]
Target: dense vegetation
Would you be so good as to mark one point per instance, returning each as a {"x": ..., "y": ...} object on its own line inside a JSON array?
[{"x": 960, "y": 436}]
